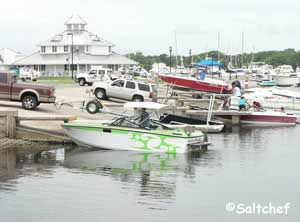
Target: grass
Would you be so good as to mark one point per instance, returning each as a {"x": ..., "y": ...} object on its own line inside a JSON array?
[{"x": 56, "y": 79}]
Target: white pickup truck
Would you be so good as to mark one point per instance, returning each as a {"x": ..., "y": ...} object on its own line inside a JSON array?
[
  {"x": 28, "y": 74},
  {"x": 96, "y": 74}
]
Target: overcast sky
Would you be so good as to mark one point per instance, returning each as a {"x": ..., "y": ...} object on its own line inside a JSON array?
[{"x": 149, "y": 25}]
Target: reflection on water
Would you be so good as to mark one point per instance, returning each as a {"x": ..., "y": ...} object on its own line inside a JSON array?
[
  {"x": 154, "y": 173},
  {"x": 8, "y": 160}
]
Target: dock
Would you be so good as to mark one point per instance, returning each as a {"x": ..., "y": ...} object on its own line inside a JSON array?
[
  {"x": 12, "y": 127},
  {"x": 235, "y": 115}
]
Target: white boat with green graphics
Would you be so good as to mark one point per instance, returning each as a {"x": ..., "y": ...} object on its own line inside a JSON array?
[{"x": 124, "y": 133}]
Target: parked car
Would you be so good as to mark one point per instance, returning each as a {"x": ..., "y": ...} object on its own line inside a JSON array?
[
  {"x": 95, "y": 74},
  {"x": 31, "y": 95},
  {"x": 125, "y": 89}
]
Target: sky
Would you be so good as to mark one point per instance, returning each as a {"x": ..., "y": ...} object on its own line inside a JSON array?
[{"x": 149, "y": 26}]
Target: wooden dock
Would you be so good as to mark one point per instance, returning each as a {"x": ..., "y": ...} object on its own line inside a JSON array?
[{"x": 10, "y": 122}]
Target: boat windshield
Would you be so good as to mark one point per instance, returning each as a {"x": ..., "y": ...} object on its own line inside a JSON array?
[{"x": 131, "y": 122}]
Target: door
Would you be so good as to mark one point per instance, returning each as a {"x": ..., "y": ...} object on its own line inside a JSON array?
[
  {"x": 91, "y": 76},
  {"x": 101, "y": 75},
  {"x": 129, "y": 90},
  {"x": 4, "y": 87},
  {"x": 116, "y": 89}
]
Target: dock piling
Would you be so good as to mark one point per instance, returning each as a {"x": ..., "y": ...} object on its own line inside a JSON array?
[{"x": 8, "y": 123}]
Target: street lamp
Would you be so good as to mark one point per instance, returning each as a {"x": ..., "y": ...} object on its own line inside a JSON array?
[
  {"x": 170, "y": 50},
  {"x": 72, "y": 62}
]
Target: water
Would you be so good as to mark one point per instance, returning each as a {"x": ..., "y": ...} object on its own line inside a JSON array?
[{"x": 252, "y": 165}]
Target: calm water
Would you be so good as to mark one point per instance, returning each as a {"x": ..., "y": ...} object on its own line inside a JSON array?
[{"x": 244, "y": 166}]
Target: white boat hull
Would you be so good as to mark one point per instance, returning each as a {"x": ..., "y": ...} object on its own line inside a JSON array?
[
  {"x": 135, "y": 141},
  {"x": 287, "y": 80}
]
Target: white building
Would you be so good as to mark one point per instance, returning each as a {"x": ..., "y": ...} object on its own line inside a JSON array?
[{"x": 55, "y": 54}]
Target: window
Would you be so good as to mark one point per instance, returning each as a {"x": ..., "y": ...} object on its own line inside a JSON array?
[
  {"x": 69, "y": 27},
  {"x": 101, "y": 72},
  {"x": 54, "y": 48},
  {"x": 118, "y": 83},
  {"x": 3, "y": 78},
  {"x": 93, "y": 72},
  {"x": 66, "y": 48},
  {"x": 75, "y": 27},
  {"x": 66, "y": 67},
  {"x": 43, "y": 49},
  {"x": 87, "y": 48},
  {"x": 42, "y": 67},
  {"x": 74, "y": 67},
  {"x": 130, "y": 85},
  {"x": 144, "y": 87}
]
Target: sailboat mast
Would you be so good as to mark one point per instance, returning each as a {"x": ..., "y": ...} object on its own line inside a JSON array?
[
  {"x": 242, "y": 56},
  {"x": 176, "y": 52},
  {"x": 218, "y": 46}
]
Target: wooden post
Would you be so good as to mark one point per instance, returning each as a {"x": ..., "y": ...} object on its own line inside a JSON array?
[
  {"x": 11, "y": 124},
  {"x": 8, "y": 120},
  {"x": 235, "y": 120}
]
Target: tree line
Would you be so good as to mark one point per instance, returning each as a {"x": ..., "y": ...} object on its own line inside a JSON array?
[{"x": 275, "y": 58}]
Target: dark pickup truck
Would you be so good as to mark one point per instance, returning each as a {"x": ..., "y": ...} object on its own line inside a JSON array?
[{"x": 31, "y": 95}]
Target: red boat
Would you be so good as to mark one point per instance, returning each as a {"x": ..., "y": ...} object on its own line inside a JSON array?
[
  {"x": 264, "y": 118},
  {"x": 206, "y": 85}
]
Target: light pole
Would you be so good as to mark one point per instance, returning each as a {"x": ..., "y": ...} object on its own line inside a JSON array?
[
  {"x": 170, "y": 50},
  {"x": 72, "y": 62}
]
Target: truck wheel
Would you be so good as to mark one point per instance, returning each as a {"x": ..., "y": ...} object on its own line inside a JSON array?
[
  {"x": 137, "y": 98},
  {"x": 29, "y": 102},
  {"x": 81, "y": 82},
  {"x": 93, "y": 106},
  {"x": 100, "y": 93}
]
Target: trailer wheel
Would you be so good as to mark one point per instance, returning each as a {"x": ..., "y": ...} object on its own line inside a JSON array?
[{"x": 93, "y": 106}]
